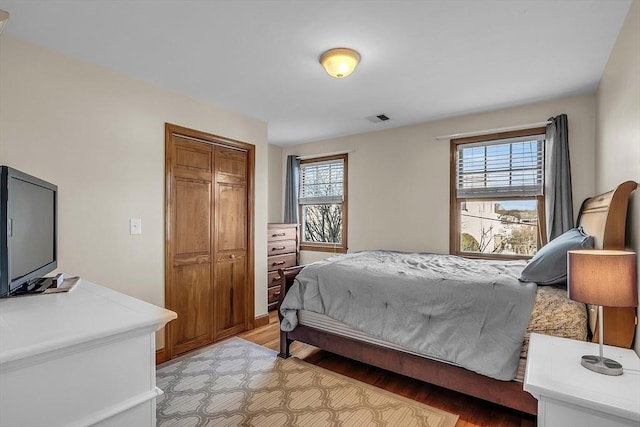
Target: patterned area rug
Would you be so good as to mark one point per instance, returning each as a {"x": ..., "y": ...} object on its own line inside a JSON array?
[{"x": 238, "y": 383}]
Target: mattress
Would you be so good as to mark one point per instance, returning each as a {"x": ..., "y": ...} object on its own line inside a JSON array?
[
  {"x": 553, "y": 314},
  {"x": 473, "y": 312}
]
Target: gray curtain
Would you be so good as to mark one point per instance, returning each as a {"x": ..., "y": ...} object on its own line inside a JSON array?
[
  {"x": 291, "y": 190},
  {"x": 558, "y": 198}
]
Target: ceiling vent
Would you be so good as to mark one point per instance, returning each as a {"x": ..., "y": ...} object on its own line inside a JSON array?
[{"x": 377, "y": 119}]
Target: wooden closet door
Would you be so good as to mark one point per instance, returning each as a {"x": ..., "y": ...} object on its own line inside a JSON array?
[
  {"x": 230, "y": 246},
  {"x": 189, "y": 247},
  {"x": 209, "y": 238}
]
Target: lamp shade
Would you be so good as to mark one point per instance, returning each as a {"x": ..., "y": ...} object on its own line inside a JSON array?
[
  {"x": 603, "y": 277},
  {"x": 340, "y": 62},
  {"x": 4, "y": 17}
]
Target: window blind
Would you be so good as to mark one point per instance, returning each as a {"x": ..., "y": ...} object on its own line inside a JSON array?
[
  {"x": 321, "y": 182},
  {"x": 501, "y": 168}
]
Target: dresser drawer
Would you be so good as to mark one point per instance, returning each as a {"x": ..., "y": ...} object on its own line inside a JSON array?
[
  {"x": 273, "y": 294},
  {"x": 272, "y": 278},
  {"x": 282, "y": 234},
  {"x": 281, "y": 247},
  {"x": 272, "y": 306},
  {"x": 281, "y": 261}
]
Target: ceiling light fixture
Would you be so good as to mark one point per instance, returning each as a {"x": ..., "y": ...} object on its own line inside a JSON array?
[
  {"x": 340, "y": 62},
  {"x": 4, "y": 17}
]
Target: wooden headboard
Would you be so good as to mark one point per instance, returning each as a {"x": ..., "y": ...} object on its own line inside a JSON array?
[{"x": 604, "y": 217}]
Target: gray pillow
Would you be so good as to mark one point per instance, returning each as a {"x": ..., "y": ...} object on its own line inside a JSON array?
[{"x": 549, "y": 264}]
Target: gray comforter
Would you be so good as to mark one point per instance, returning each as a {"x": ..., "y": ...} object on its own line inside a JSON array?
[{"x": 473, "y": 313}]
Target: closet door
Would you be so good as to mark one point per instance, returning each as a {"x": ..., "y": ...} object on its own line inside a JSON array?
[
  {"x": 209, "y": 241},
  {"x": 230, "y": 245},
  {"x": 189, "y": 247}
]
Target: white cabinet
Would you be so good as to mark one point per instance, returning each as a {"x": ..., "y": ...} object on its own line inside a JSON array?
[
  {"x": 86, "y": 357},
  {"x": 570, "y": 395}
]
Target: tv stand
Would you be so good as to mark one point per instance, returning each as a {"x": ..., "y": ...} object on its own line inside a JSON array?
[
  {"x": 89, "y": 356},
  {"x": 40, "y": 284},
  {"x": 34, "y": 286}
]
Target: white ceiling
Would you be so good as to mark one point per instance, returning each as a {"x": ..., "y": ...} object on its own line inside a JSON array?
[{"x": 421, "y": 60}]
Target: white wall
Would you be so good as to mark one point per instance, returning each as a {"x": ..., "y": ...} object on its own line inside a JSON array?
[
  {"x": 99, "y": 136},
  {"x": 399, "y": 178},
  {"x": 618, "y": 124},
  {"x": 276, "y": 194}
]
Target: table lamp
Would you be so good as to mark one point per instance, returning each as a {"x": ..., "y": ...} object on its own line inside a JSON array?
[{"x": 603, "y": 278}]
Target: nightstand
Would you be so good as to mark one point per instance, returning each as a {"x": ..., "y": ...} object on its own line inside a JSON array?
[{"x": 570, "y": 395}]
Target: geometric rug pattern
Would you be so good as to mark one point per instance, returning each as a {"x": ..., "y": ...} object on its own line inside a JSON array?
[{"x": 238, "y": 383}]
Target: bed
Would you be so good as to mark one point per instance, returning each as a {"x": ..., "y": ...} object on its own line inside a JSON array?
[{"x": 602, "y": 216}]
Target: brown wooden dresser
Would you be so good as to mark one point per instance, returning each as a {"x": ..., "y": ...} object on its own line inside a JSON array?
[{"x": 283, "y": 250}]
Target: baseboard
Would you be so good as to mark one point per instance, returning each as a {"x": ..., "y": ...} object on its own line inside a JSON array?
[
  {"x": 161, "y": 356},
  {"x": 261, "y": 321}
]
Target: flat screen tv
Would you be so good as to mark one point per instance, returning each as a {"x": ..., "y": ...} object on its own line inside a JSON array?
[{"x": 28, "y": 230}]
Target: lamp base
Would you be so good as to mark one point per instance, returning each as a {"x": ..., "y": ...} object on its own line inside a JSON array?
[{"x": 602, "y": 365}]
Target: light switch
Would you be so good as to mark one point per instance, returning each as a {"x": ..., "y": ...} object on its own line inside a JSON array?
[{"x": 135, "y": 226}]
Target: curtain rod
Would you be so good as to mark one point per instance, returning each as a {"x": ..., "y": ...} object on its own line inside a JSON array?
[
  {"x": 483, "y": 132},
  {"x": 333, "y": 153}
]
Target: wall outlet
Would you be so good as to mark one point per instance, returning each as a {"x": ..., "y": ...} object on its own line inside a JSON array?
[{"x": 135, "y": 226}]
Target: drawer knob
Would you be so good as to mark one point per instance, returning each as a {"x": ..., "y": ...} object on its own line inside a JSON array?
[
  {"x": 278, "y": 263},
  {"x": 277, "y": 235},
  {"x": 279, "y": 248},
  {"x": 277, "y": 293}
]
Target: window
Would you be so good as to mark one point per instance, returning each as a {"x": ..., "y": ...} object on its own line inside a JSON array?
[
  {"x": 323, "y": 203},
  {"x": 497, "y": 194}
]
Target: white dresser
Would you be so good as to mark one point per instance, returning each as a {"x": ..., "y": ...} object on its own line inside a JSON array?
[
  {"x": 570, "y": 395},
  {"x": 82, "y": 358}
]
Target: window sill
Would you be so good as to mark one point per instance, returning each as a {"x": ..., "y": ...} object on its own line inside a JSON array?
[{"x": 319, "y": 247}]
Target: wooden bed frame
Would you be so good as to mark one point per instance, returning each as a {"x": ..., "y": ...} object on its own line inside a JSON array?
[{"x": 602, "y": 216}]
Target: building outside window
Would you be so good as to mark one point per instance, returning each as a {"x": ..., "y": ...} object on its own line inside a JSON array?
[
  {"x": 497, "y": 194},
  {"x": 323, "y": 203}
]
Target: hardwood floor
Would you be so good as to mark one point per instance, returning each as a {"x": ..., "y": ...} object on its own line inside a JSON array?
[{"x": 472, "y": 411}]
